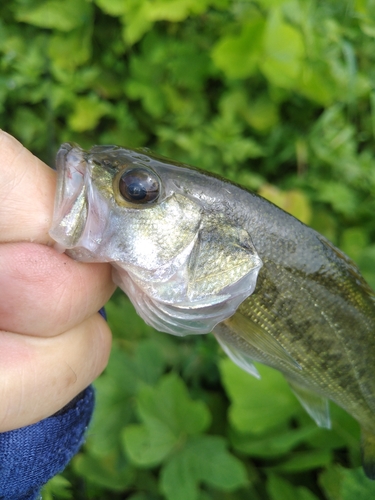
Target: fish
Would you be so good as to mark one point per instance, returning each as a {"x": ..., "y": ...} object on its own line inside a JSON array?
[{"x": 197, "y": 254}]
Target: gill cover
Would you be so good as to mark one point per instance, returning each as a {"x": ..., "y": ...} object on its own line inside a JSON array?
[{"x": 213, "y": 274}]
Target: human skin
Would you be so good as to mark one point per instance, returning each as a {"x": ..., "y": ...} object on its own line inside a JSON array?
[{"x": 53, "y": 343}]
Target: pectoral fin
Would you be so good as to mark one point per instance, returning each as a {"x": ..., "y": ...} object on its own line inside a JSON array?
[
  {"x": 268, "y": 348},
  {"x": 368, "y": 453},
  {"x": 316, "y": 406},
  {"x": 222, "y": 257},
  {"x": 238, "y": 357}
]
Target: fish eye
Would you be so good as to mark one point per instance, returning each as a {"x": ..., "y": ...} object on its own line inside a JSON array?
[{"x": 139, "y": 185}]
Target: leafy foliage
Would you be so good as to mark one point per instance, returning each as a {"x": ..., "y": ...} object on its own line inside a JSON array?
[{"x": 276, "y": 95}]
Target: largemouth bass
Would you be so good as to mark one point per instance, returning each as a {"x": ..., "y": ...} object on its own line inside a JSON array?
[{"x": 197, "y": 254}]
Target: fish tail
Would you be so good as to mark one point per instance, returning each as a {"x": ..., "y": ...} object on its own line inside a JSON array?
[{"x": 368, "y": 453}]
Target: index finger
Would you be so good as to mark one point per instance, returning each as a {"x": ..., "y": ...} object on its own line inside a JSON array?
[{"x": 27, "y": 190}]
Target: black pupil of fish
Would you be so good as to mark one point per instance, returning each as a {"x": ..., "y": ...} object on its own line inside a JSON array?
[{"x": 139, "y": 185}]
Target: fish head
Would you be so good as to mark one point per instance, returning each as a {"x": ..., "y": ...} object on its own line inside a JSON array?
[{"x": 166, "y": 228}]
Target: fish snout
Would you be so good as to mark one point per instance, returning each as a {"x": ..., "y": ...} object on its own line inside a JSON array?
[{"x": 70, "y": 209}]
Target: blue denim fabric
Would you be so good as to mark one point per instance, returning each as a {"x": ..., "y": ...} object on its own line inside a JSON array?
[
  {"x": 103, "y": 313},
  {"x": 32, "y": 455}
]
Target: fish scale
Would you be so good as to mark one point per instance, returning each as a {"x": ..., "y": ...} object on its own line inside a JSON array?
[
  {"x": 201, "y": 254},
  {"x": 329, "y": 354}
]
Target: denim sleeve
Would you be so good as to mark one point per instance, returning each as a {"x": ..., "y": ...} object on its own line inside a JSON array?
[{"x": 32, "y": 455}]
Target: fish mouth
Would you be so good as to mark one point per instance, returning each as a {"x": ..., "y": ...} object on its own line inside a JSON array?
[{"x": 70, "y": 211}]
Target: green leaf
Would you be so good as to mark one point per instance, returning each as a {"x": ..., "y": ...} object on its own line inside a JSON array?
[
  {"x": 257, "y": 406},
  {"x": 306, "y": 494},
  {"x": 233, "y": 145},
  {"x": 69, "y": 50},
  {"x": 115, "y": 392},
  {"x": 149, "y": 361},
  {"x": 173, "y": 10},
  {"x": 303, "y": 461},
  {"x": 238, "y": 55},
  {"x": 262, "y": 114},
  {"x": 137, "y": 85},
  {"x": 317, "y": 83},
  {"x": 135, "y": 22},
  {"x": 345, "y": 484},
  {"x": 353, "y": 241},
  {"x": 203, "y": 459},
  {"x": 123, "y": 320},
  {"x": 366, "y": 263},
  {"x": 273, "y": 444},
  {"x": 294, "y": 201},
  {"x": 214, "y": 465},
  {"x": 283, "y": 51},
  {"x": 27, "y": 126},
  {"x": 177, "y": 479},
  {"x": 114, "y": 7},
  {"x": 148, "y": 446},
  {"x": 341, "y": 197},
  {"x": 109, "y": 471},
  {"x": 54, "y": 14},
  {"x": 170, "y": 404},
  {"x": 169, "y": 416},
  {"x": 182, "y": 73},
  {"x": 273, "y": 92},
  {"x": 280, "y": 489},
  {"x": 333, "y": 143},
  {"x": 87, "y": 113},
  {"x": 143, "y": 496},
  {"x": 323, "y": 222},
  {"x": 345, "y": 432},
  {"x": 273, "y": 3},
  {"x": 57, "y": 487}
]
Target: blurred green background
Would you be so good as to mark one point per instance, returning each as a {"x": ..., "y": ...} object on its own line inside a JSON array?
[{"x": 277, "y": 95}]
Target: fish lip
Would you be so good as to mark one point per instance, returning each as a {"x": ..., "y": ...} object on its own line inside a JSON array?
[
  {"x": 62, "y": 152},
  {"x": 65, "y": 149},
  {"x": 71, "y": 168}
]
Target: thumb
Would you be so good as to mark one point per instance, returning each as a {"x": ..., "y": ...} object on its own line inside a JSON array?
[{"x": 27, "y": 189}]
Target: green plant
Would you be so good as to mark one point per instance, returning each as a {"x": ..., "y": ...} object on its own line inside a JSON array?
[{"x": 276, "y": 95}]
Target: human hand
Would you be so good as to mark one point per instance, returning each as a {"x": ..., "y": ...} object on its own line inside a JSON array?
[{"x": 53, "y": 343}]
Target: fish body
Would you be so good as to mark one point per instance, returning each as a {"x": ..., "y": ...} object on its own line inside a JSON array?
[{"x": 196, "y": 254}]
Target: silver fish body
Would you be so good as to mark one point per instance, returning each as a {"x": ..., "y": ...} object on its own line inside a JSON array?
[{"x": 197, "y": 254}]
